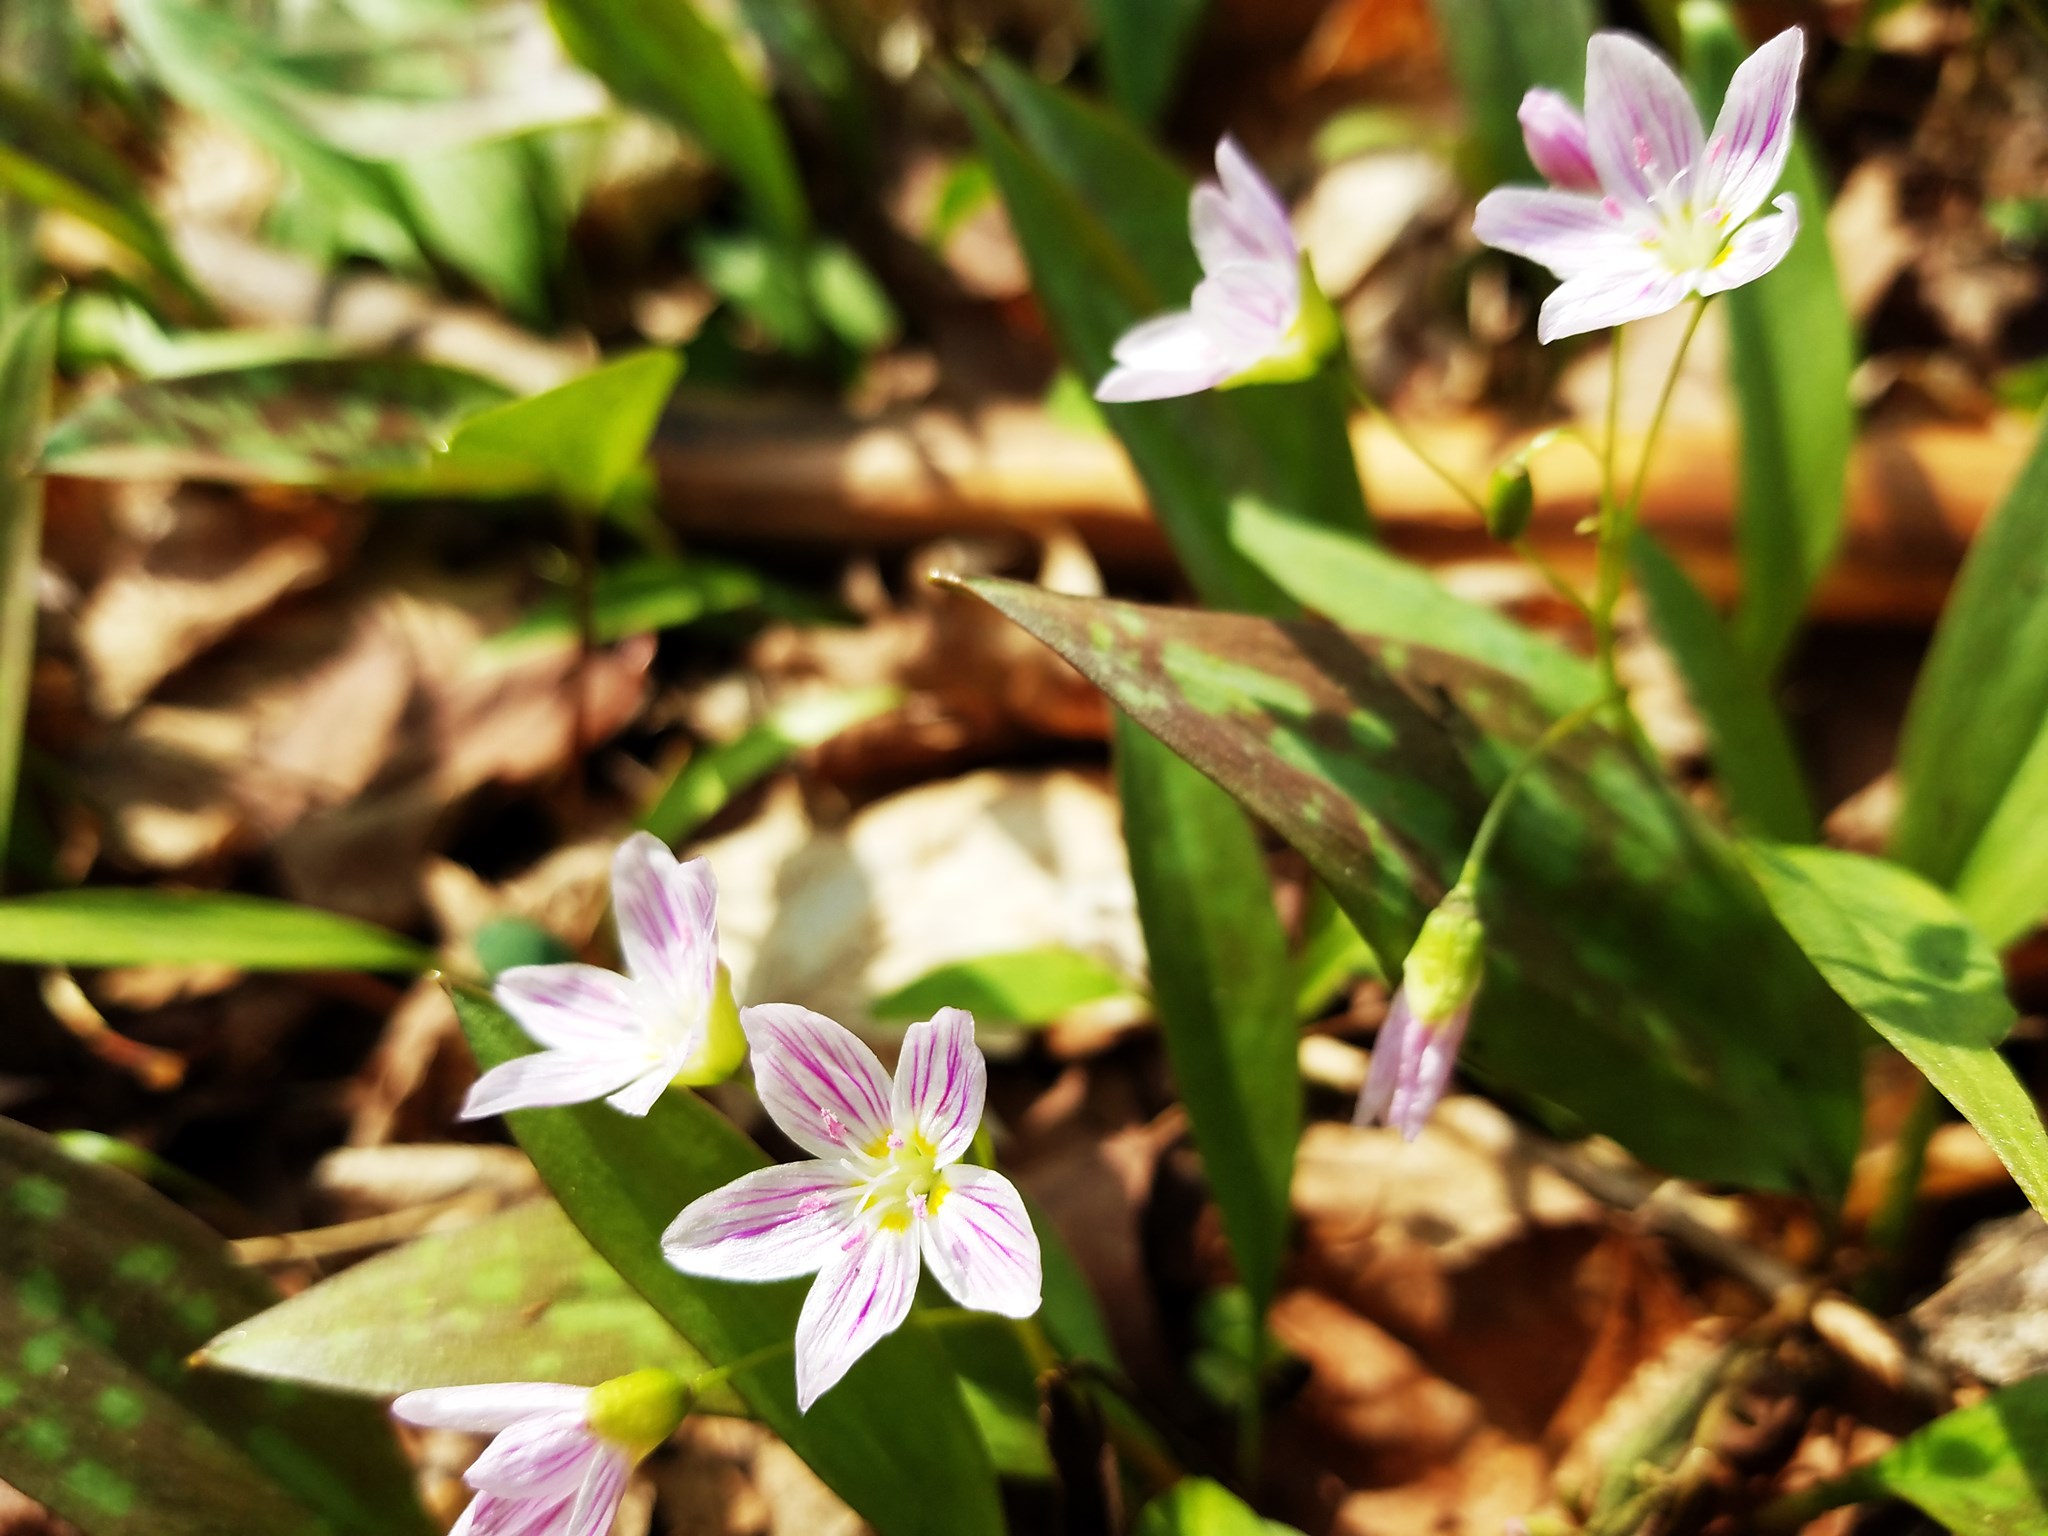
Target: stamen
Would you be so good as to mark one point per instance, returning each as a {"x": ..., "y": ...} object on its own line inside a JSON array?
[
  {"x": 1644, "y": 159},
  {"x": 895, "y": 1141},
  {"x": 833, "y": 1128},
  {"x": 1611, "y": 206},
  {"x": 920, "y": 1207}
]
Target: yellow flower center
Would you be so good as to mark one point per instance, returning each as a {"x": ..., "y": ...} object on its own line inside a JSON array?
[{"x": 904, "y": 1183}]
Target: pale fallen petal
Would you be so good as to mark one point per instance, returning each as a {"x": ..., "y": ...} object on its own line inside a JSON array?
[
  {"x": 1567, "y": 232},
  {"x": 817, "y": 1079},
  {"x": 1554, "y": 132},
  {"x": 979, "y": 1243},
  {"x": 1592, "y": 301},
  {"x": 540, "y": 1456},
  {"x": 1753, "y": 136},
  {"x": 859, "y": 1299},
  {"x": 772, "y": 1224},
  {"x": 549, "y": 1078},
  {"x": 1757, "y": 247},
  {"x": 667, "y": 917},
  {"x": 484, "y": 1410},
  {"x": 1641, "y": 125},
  {"x": 571, "y": 1007},
  {"x": 941, "y": 1081}
]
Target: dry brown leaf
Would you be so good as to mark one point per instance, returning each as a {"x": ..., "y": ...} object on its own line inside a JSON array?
[{"x": 1355, "y": 35}]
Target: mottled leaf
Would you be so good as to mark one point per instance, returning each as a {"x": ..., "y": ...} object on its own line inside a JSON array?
[
  {"x": 26, "y": 351},
  {"x": 518, "y": 1296},
  {"x": 622, "y": 1180},
  {"x": 105, "y": 925},
  {"x": 1224, "y": 989},
  {"x": 105, "y": 1287},
  {"x": 1612, "y": 907},
  {"x": 1900, "y": 953},
  {"x": 300, "y": 423},
  {"x": 1498, "y": 49},
  {"x": 1974, "y": 735},
  {"x": 1026, "y": 986}
]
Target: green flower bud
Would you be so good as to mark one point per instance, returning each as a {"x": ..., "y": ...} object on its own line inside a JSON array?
[
  {"x": 1510, "y": 499},
  {"x": 638, "y": 1412},
  {"x": 1442, "y": 972}
]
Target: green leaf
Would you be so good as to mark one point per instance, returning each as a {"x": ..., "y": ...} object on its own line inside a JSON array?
[
  {"x": 1973, "y": 738},
  {"x": 1901, "y": 954},
  {"x": 1026, "y": 986},
  {"x": 579, "y": 440},
  {"x": 709, "y": 780},
  {"x": 1611, "y": 907},
  {"x": 110, "y": 926},
  {"x": 301, "y": 423},
  {"x": 652, "y": 594},
  {"x": 1791, "y": 351},
  {"x": 1979, "y": 1471},
  {"x": 894, "y": 1439},
  {"x": 519, "y": 1296},
  {"x": 105, "y": 1287},
  {"x": 1103, "y": 222},
  {"x": 1498, "y": 49},
  {"x": 1753, "y": 757},
  {"x": 25, "y": 357},
  {"x": 478, "y": 207},
  {"x": 1000, "y": 1387},
  {"x": 849, "y": 300},
  {"x": 1332, "y": 955},
  {"x": 1143, "y": 44},
  {"x": 1197, "y": 1507},
  {"x": 667, "y": 59},
  {"x": 1224, "y": 988}
]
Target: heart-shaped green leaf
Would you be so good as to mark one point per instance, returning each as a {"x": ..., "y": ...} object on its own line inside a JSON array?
[
  {"x": 105, "y": 1288},
  {"x": 1636, "y": 977},
  {"x": 518, "y": 1296}
]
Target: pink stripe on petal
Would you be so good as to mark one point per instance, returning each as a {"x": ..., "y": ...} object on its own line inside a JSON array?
[
  {"x": 484, "y": 1410},
  {"x": 597, "y": 1501},
  {"x": 941, "y": 1083},
  {"x": 772, "y": 1224},
  {"x": 817, "y": 1079},
  {"x": 980, "y": 1245},
  {"x": 667, "y": 918},
  {"x": 1753, "y": 136},
  {"x": 548, "y": 1078},
  {"x": 571, "y": 1007},
  {"x": 1567, "y": 232},
  {"x": 1642, "y": 128},
  {"x": 538, "y": 1456},
  {"x": 1593, "y": 301},
  {"x": 858, "y": 1300},
  {"x": 1757, "y": 248}
]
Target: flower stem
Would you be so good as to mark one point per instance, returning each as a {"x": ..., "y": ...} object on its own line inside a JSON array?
[
  {"x": 1435, "y": 466},
  {"x": 1886, "y": 1238},
  {"x": 1496, "y": 812}
]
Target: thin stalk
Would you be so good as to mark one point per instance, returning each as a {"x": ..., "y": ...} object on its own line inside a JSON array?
[
  {"x": 1429, "y": 461},
  {"x": 1893, "y": 1220},
  {"x": 1496, "y": 813},
  {"x": 1554, "y": 578},
  {"x": 1606, "y": 578},
  {"x": 583, "y": 533}
]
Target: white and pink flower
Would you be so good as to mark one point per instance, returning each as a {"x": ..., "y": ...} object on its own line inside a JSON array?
[
  {"x": 1646, "y": 208},
  {"x": 625, "y": 1038},
  {"x": 1255, "y": 317},
  {"x": 561, "y": 1455},
  {"x": 886, "y": 1193}
]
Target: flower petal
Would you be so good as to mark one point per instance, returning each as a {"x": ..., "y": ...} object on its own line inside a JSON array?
[
  {"x": 1411, "y": 1068},
  {"x": 941, "y": 1081},
  {"x": 1247, "y": 311},
  {"x": 1165, "y": 356},
  {"x": 772, "y": 1224},
  {"x": 536, "y": 1457},
  {"x": 1122, "y": 385},
  {"x": 641, "y": 1094},
  {"x": 979, "y": 1243},
  {"x": 493, "y": 1514},
  {"x": 667, "y": 917},
  {"x": 1641, "y": 126},
  {"x": 572, "y": 1007},
  {"x": 860, "y": 1298},
  {"x": 1757, "y": 247},
  {"x": 817, "y": 1079},
  {"x": 1753, "y": 135},
  {"x": 549, "y": 1078},
  {"x": 1592, "y": 301},
  {"x": 1258, "y": 222},
  {"x": 597, "y": 1501},
  {"x": 1554, "y": 132},
  {"x": 487, "y": 1409},
  {"x": 1567, "y": 232}
]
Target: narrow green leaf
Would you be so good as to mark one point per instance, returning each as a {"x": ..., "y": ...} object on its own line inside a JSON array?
[
  {"x": 299, "y": 423},
  {"x": 1000, "y": 1387},
  {"x": 25, "y": 356},
  {"x": 1611, "y": 905},
  {"x": 654, "y": 593},
  {"x": 1197, "y": 1507},
  {"x": 704, "y": 784},
  {"x": 2004, "y": 886},
  {"x": 1332, "y": 955},
  {"x": 1026, "y": 986},
  {"x": 1143, "y": 44},
  {"x": 519, "y": 1296},
  {"x": 476, "y": 206},
  {"x": 1791, "y": 351},
  {"x": 110, "y": 926},
  {"x": 1498, "y": 49},
  {"x": 105, "y": 1288},
  {"x": 1978, "y": 711},
  {"x": 1089, "y": 201},
  {"x": 1225, "y": 992},
  {"x": 894, "y": 1439},
  {"x": 1981, "y": 1470},
  {"x": 666, "y": 58},
  {"x": 1753, "y": 757},
  {"x": 1900, "y": 953}
]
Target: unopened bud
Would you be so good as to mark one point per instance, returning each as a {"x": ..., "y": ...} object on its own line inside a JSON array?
[
  {"x": 1442, "y": 972},
  {"x": 1510, "y": 499},
  {"x": 639, "y": 1411}
]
